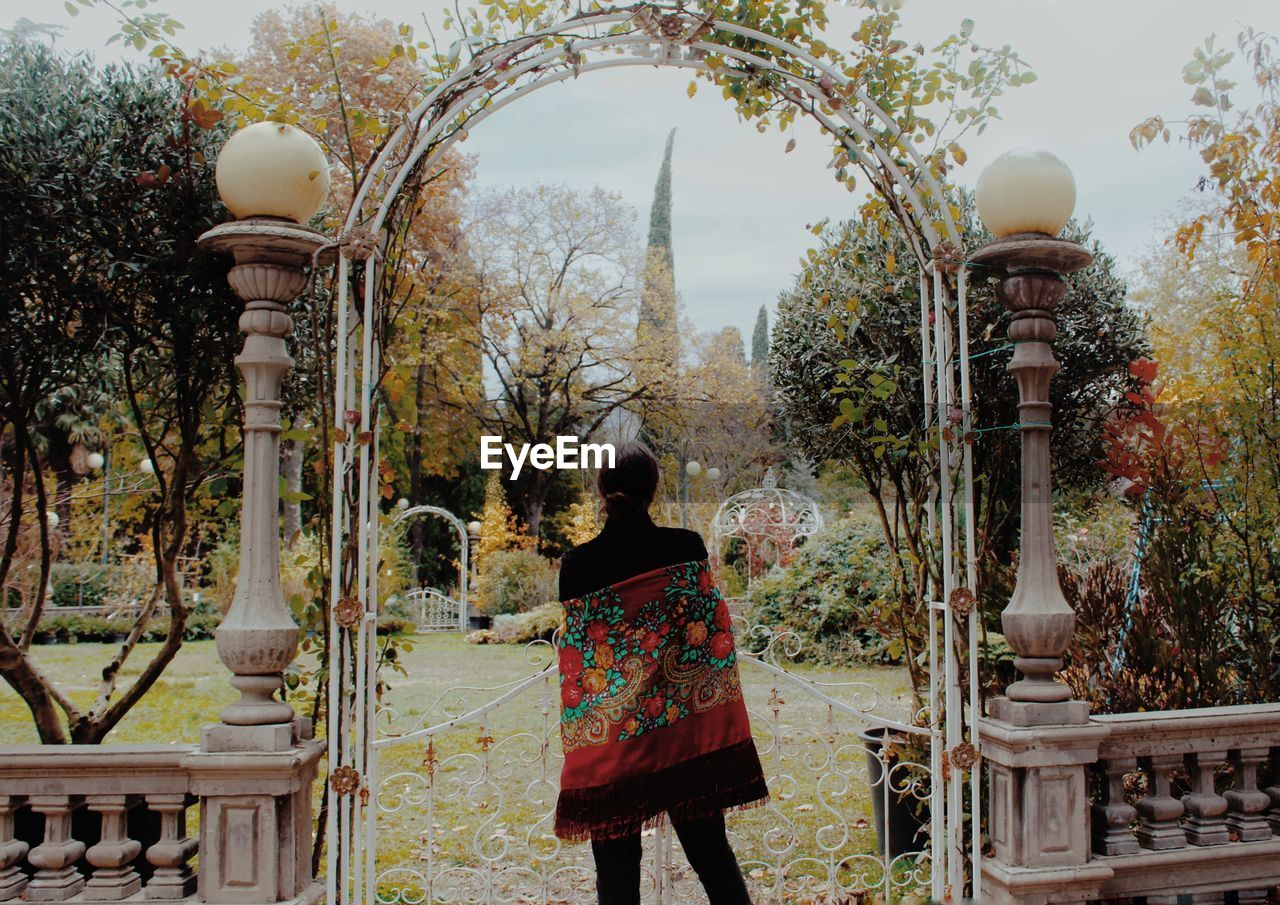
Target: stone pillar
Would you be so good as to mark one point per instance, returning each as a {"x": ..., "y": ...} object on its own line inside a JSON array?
[
  {"x": 473, "y": 614},
  {"x": 258, "y": 638},
  {"x": 1037, "y": 621},
  {"x": 1037, "y": 742},
  {"x": 255, "y": 769}
]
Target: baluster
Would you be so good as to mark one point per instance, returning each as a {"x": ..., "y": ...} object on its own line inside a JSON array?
[
  {"x": 1159, "y": 811},
  {"x": 1111, "y": 818},
  {"x": 12, "y": 850},
  {"x": 1273, "y": 792},
  {"x": 1204, "y": 805},
  {"x": 1246, "y": 801},
  {"x": 173, "y": 878},
  {"x": 1253, "y": 896},
  {"x": 56, "y": 877},
  {"x": 112, "y": 858}
]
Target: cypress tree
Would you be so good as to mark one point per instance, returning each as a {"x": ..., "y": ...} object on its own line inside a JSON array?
[
  {"x": 760, "y": 341},
  {"x": 657, "y": 303}
]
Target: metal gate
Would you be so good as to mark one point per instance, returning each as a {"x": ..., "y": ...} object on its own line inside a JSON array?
[{"x": 463, "y": 797}]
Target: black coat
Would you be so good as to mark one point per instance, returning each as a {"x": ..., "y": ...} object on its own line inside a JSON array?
[{"x": 628, "y": 545}]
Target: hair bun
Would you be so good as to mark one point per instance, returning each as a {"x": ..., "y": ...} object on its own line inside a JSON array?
[{"x": 618, "y": 501}]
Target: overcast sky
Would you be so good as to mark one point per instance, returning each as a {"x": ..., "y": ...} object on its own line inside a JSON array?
[{"x": 740, "y": 204}]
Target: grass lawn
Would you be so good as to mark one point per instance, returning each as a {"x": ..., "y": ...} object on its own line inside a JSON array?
[{"x": 480, "y": 816}]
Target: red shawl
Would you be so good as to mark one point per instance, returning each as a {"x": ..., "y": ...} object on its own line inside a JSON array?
[{"x": 652, "y": 717}]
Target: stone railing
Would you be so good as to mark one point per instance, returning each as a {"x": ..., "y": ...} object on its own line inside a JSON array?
[
  {"x": 1222, "y": 834},
  {"x": 106, "y": 823},
  {"x": 1177, "y": 807},
  {"x": 102, "y": 822}
]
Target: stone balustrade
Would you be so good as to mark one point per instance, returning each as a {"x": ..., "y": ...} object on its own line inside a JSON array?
[
  {"x": 1178, "y": 807},
  {"x": 103, "y": 823},
  {"x": 98, "y": 823}
]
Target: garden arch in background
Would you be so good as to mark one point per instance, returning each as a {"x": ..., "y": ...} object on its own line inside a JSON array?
[
  {"x": 413, "y": 771},
  {"x": 769, "y": 520},
  {"x": 464, "y": 569}
]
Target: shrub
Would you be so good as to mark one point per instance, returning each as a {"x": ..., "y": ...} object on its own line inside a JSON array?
[
  {"x": 514, "y": 581},
  {"x": 540, "y": 623},
  {"x": 72, "y": 584},
  {"x": 832, "y": 595},
  {"x": 390, "y": 624},
  {"x": 80, "y": 628}
]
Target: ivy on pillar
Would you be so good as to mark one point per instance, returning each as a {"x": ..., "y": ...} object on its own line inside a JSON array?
[
  {"x": 1037, "y": 740},
  {"x": 255, "y": 769}
]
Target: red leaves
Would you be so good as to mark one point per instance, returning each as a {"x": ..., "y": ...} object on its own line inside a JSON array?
[
  {"x": 1144, "y": 370},
  {"x": 149, "y": 180},
  {"x": 1144, "y": 446},
  {"x": 200, "y": 113}
]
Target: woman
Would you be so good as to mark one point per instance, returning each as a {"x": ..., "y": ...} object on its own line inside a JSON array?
[{"x": 652, "y": 716}]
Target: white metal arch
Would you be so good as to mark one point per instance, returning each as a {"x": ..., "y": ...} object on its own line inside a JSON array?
[
  {"x": 469, "y": 82},
  {"x": 487, "y": 83},
  {"x": 464, "y": 568}
]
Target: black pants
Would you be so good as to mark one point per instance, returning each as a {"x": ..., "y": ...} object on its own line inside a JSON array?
[{"x": 706, "y": 847}]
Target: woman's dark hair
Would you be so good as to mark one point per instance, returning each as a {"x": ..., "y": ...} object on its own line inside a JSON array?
[{"x": 630, "y": 484}]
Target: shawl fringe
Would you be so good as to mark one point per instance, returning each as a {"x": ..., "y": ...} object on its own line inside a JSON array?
[{"x": 730, "y": 778}]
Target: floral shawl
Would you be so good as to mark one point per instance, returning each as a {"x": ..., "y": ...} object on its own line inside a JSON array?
[{"x": 652, "y": 716}]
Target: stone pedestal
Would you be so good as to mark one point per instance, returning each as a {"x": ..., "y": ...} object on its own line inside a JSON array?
[
  {"x": 255, "y": 832},
  {"x": 1038, "y": 813}
]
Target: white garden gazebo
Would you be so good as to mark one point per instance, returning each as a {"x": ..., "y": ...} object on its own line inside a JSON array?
[{"x": 769, "y": 520}]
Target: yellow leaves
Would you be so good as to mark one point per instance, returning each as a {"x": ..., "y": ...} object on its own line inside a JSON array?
[
  {"x": 693, "y": 88},
  {"x": 891, "y": 262}
]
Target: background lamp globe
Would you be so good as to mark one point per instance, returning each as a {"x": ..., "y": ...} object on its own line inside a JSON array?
[
  {"x": 402, "y": 503},
  {"x": 146, "y": 467},
  {"x": 1026, "y": 191},
  {"x": 693, "y": 469},
  {"x": 272, "y": 169},
  {"x": 473, "y": 527},
  {"x": 713, "y": 473},
  {"x": 96, "y": 461}
]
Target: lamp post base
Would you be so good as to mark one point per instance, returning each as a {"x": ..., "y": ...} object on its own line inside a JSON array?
[{"x": 1038, "y": 713}]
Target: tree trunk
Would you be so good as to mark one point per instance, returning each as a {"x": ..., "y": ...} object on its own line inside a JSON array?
[
  {"x": 291, "y": 455},
  {"x": 417, "y": 531}
]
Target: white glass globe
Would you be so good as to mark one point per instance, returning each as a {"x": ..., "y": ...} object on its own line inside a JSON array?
[
  {"x": 402, "y": 503},
  {"x": 272, "y": 170},
  {"x": 713, "y": 473},
  {"x": 1026, "y": 191},
  {"x": 52, "y": 518},
  {"x": 146, "y": 467},
  {"x": 96, "y": 460},
  {"x": 693, "y": 469},
  {"x": 473, "y": 527}
]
